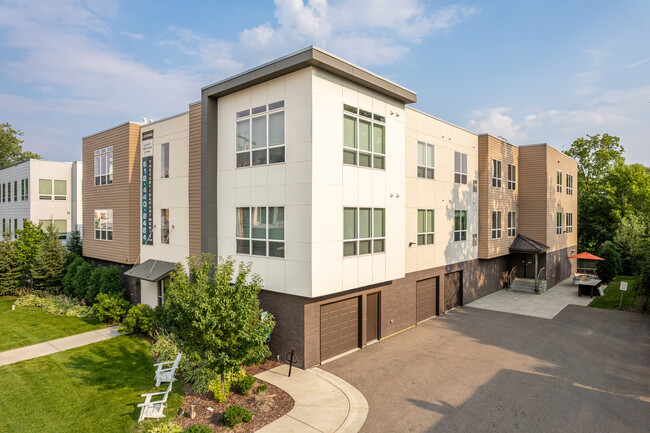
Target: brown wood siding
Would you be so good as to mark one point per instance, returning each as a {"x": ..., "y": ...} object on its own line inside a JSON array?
[
  {"x": 194, "y": 188},
  {"x": 495, "y": 199},
  {"x": 533, "y": 193},
  {"x": 123, "y": 196}
]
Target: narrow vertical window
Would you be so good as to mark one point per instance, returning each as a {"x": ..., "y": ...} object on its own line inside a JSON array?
[
  {"x": 104, "y": 224},
  {"x": 60, "y": 189},
  {"x": 496, "y": 173},
  {"x": 512, "y": 224},
  {"x": 569, "y": 184},
  {"x": 426, "y": 160},
  {"x": 512, "y": 177},
  {"x": 258, "y": 231},
  {"x": 104, "y": 166},
  {"x": 569, "y": 222},
  {"x": 164, "y": 160},
  {"x": 276, "y": 232},
  {"x": 558, "y": 229},
  {"x": 243, "y": 232},
  {"x": 460, "y": 168},
  {"x": 349, "y": 231},
  {"x": 559, "y": 181},
  {"x": 15, "y": 190},
  {"x": 45, "y": 189},
  {"x": 164, "y": 226},
  {"x": 460, "y": 225},
  {"x": 426, "y": 226},
  {"x": 496, "y": 224}
]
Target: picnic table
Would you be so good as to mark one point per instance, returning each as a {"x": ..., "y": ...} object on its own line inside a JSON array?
[{"x": 590, "y": 285}]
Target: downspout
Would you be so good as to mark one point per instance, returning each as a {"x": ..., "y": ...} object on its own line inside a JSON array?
[{"x": 536, "y": 282}]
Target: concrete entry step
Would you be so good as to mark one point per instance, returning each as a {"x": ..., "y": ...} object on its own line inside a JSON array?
[{"x": 527, "y": 285}]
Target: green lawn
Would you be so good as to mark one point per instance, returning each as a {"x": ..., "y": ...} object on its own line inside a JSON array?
[
  {"x": 29, "y": 325},
  {"x": 612, "y": 297},
  {"x": 95, "y": 388}
]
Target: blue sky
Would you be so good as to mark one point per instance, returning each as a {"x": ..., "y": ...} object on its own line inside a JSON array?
[{"x": 531, "y": 72}]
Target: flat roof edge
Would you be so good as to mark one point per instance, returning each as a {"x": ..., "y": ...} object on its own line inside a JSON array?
[
  {"x": 108, "y": 129},
  {"x": 173, "y": 116},
  {"x": 442, "y": 120}
]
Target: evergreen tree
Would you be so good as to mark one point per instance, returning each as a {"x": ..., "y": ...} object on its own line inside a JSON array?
[
  {"x": 9, "y": 269},
  {"x": 29, "y": 239},
  {"x": 75, "y": 244},
  {"x": 48, "y": 266},
  {"x": 70, "y": 273},
  {"x": 609, "y": 268}
]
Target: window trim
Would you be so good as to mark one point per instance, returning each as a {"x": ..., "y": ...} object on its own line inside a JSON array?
[
  {"x": 239, "y": 240},
  {"x": 426, "y": 237},
  {"x": 496, "y": 180},
  {"x": 98, "y": 230},
  {"x": 497, "y": 228},
  {"x": 373, "y": 119},
  {"x": 428, "y": 167},
  {"x": 263, "y": 111},
  {"x": 99, "y": 174},
  {"x": 373, "y": 240}
]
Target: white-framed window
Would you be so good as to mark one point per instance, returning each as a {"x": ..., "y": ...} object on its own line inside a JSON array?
[
  {"x": 164, "y": 226},
  {"x": 164, "y": 160},
  {"x": 559, "y": 181},
  {"x": 163, "y": 285},
  {"x": 104, "y": 166},
  {"x": 569, "y": 222},
  {"x": 104, "y": 224},
  {"x": 364, "y": 231},
  {"x": 426, "y": 226},
  {"x": 496, "y": 224},
  {"x": 364, "y": 138},
  {"x": 569, "y": 184},
  {"x": 48, "y": 188},
  {"x": 260, "y": 135},
  {"x": 260, "y": 231},
  {"x": 460, "y": 225},
  {"x": 460, "y": 167},
  {"x": 512, "y": 224},
  {"x": 512, "y": 177},
  {"x": 426, "y": 160},
  {"x": 496, "y": 173},
  {"x": 558, "y": 221}
]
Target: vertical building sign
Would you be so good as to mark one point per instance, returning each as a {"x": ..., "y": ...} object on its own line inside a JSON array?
[{"x": 147, "y": 200}]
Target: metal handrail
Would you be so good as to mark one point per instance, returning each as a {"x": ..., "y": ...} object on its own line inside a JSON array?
[
  {"x": 512, "y": 275},
  {"x": 539, "y": 278}
]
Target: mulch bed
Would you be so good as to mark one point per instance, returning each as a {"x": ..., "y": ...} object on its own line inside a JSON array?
[{"x": 266, "y": 406}]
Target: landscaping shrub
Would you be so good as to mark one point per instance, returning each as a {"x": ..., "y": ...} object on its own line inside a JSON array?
[
  {"x": 168, "y": 427},
  {"x": 610, "y": 267},
  {"x": 139, "y": 320},
  {"x": 108, "y": 309},
  {"x": 9, "y": 267},
  {"x": 80, "y": 280},
  {"x": 245, "y": 384},
  {"x": 261, "y": 388},
  {"x": 94, "y": 282},
  {"x": 166, "y": 347},
  {"x": 642, "y": 286},
  {"x": 110, "y": 282},
  {"x": 198, "y": 428},
  {"x": 55, "y": 305},
  {"x": 68, "y": 278},
  {"x": 234, "y": 415}
]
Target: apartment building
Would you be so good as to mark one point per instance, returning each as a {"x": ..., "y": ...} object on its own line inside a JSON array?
[
  {"x": 40, "y": 191},
  {"x": 362, "y": 215}
]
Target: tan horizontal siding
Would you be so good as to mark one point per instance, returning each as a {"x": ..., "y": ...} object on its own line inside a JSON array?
[
  {"x": 194, "y": 188},
  {"x": 122, "y": 196},
  {"x": 533, "y": 193},
  {"x": 561, "y": 202}
]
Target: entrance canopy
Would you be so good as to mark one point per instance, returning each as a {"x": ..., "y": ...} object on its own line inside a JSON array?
[
  {"x": 585, "y": 256},
  {"x": 151, "y": 270},
  {"x": 526, "y": 245}
]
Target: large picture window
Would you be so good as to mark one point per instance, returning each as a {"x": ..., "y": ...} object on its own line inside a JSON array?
[
  {"x": 512, "y": 177},
  {"x": 164, "y": 226},
  {"x": 496, "y": 224},
  {"x": 426, "y": 226},
  {"x": 260, "y": 135},
  {"x": 104, "y": 166},
  {"x": 364, "y": 138},
  {"x": 460, "y": 167},
  {"x": 104, "y": 224},
  {"x": 364, "y": 231},
  {"x": 496, "y": 173},
  {"x": 260, "y": 231},
  {"x": 512, "y": 224},
  {"x": 460, "y": 225},
  {"x": 426, "y": 160}
]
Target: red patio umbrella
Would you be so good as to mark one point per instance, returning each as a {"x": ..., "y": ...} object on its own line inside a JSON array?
[{"x": 585, "y": 256}]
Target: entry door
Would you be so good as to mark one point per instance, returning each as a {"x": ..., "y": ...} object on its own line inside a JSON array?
[
  {"x": 453, "y": 290},
  {"x": 372, "y": 317},
  {"x": 426, "y": 295},
  {"x": 339, "y": 327}
]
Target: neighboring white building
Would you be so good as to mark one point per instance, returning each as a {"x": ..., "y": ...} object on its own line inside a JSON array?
[{"x": 38, "y": 191}]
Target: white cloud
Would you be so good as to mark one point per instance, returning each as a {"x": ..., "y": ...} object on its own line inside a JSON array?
[
  {"x": 635, "y": 64},
  {"x": 497, "y": 122}
]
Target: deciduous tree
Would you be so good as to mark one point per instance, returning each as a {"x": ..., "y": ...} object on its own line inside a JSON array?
[{"x": 11, "y": 149}]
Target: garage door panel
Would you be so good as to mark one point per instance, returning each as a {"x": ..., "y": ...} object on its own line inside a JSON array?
[
  {"x": 426, "y": 298},
  {"x": 339, "y": 327}
]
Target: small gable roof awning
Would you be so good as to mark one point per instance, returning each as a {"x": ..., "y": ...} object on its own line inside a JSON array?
[
  {"x": 523, "y": 244},
  {"x": 151, "y": 270}
]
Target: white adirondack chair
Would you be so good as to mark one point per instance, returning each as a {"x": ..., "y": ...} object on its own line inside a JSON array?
[
  {"x": 154, "y": 409},
  {"x": 166, "y": 374}
]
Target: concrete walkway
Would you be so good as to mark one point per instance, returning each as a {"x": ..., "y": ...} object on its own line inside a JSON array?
[
  {"x": 324, "y": 402},
  {"x": 546, "y": 305},
  {"x": 54, "y": 346}
]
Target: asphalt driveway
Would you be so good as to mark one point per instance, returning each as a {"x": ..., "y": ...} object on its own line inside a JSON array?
[{"x": 472, "y": 370}]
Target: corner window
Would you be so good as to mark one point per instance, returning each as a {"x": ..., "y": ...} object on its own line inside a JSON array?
[
  {"x": 512, "y": 224},
  {"x": 364, "y": 138},
  {"x": 512, "y": 177},
  {"x": 559, "y": 181},
  {"x": 569, "y": 222},
  {"x": 164, "y": 226},
  {"x": 496, "y": 224},
  {"x": 558, "y": 219},
  {"x": 104, "y": 166},
  {"x": 260, "y": 135},
  {"x": 426, "y": 155},
  {"x": 260, "y": 231},
  {"x": 460, "y": 225},
  {"x": 496, "y": 173},
  {"x": 364, "y": 231},
  {"x": 104, "y": 225},
  {"x": 164, "y": 160},
  {"x": 569, "y": 184},
  {"x": 45, "y": 189},
  {"x": 426, "y": 225},
  {"x": 460, "y": 168}
]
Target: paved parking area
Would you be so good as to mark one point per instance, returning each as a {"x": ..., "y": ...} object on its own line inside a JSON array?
[
  {"x": 476, "y": 370},
  {"x": 546, "y": 305}
]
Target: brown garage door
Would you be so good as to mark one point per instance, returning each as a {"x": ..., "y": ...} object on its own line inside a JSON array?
[
  {"x": 453, "y": 290},
  {"x": 339, "y": 327},
  {"x": 426, "y": 298}
]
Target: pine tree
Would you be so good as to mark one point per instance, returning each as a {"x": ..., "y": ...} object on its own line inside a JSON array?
[
  {"x": 49, "y": 263},
  {"x": 9, "y": 269},
  {"x": 75, "y": 244}
]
